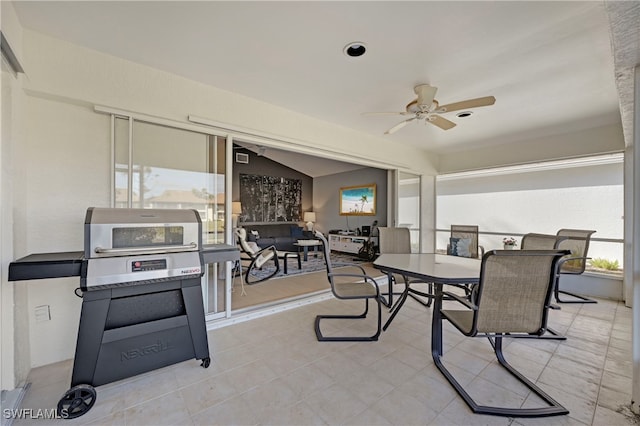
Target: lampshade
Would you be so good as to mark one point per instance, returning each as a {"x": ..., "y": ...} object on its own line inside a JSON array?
[
  {"x": 309, "y": 217},
  {"x": 236, "y": 207}
]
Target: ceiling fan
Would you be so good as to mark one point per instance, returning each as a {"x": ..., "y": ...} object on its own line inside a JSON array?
[{"x": 426, "y": 108}]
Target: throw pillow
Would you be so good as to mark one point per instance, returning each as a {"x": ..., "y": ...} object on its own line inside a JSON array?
[
  {"x": 453, "y": 246},
  {"x": 463, "y": 247},
  {"x": 297, "y": 232},
  {"x": 460, "y": 247},
  {"x": 253, "y": 235}
]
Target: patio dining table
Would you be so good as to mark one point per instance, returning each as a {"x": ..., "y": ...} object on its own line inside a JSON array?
[{"x": 439, "y": 269}]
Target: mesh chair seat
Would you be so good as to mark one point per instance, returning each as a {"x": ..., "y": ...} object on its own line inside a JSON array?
[{"x": 533, "y": 241}]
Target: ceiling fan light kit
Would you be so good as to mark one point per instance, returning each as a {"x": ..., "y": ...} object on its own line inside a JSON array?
[{"x": 426, "y": 107}]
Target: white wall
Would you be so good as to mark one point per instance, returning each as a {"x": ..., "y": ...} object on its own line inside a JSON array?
[{"x": 14, "y": 360}]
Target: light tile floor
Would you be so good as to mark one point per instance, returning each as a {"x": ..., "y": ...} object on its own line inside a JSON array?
[{"x": 272, "y": 371}]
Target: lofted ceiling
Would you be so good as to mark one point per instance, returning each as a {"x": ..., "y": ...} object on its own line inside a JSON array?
[{"x": 550, "y": 65}]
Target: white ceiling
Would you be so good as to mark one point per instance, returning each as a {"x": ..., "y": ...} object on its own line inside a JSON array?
[{"x": 550, "y": 65}]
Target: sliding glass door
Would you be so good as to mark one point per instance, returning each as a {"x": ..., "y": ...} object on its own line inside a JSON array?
[{"x": 165, "y": 167}]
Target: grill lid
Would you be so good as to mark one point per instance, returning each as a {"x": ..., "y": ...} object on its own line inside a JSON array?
[
  {"x": 140, "y": 246},
  {"x": 121, "y": 232}
]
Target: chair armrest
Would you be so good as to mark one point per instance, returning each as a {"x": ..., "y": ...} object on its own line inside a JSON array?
[
  {"x": 481, "y": 251},
  {"x": 272, "y": 248},
  {"x": 461, "y": 300},
  {"x": 366, "y": 278},
  {"x": 567, "y": 259},
  {"x": 351, "y": 265},
  {"x": 262, "y": 257}
]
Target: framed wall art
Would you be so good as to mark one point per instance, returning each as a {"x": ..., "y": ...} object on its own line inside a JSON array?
[{"x": 358, "y": 200}]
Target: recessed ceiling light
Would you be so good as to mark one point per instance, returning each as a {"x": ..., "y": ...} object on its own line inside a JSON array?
[
  {"x": 464, "y": 114},
  {"x": 355, "y": 49}
]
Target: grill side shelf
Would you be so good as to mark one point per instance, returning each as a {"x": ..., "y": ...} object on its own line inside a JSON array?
[
  {"x": 46, "y": 265},
  {"x": 212, "y": 253}
]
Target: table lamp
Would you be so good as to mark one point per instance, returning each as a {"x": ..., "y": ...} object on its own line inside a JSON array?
[
  {"x": 309, "y": 217},
  {"x": 236, "y": 210}
]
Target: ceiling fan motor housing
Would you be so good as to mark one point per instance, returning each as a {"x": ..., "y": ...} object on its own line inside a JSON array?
[{"x": 426, "y": 94}]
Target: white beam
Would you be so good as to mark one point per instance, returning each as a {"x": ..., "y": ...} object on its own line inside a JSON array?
[{"x": 634, "y": 247}]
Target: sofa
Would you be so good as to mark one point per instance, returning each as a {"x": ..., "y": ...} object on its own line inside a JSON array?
[{"x": 281, "y": 235}]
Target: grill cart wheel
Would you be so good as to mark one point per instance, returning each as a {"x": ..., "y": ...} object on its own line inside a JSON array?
[
  {"x": 206, "y": 362},
  {"x": 76, "y": 401}
]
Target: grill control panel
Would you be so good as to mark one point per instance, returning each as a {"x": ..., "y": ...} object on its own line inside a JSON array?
[{"x": 148, "y": 265}]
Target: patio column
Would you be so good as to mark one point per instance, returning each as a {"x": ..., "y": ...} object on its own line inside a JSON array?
[{"x": 632, "y": 221}]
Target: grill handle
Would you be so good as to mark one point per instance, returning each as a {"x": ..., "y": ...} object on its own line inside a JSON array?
[{"x": 147, "y": 249}]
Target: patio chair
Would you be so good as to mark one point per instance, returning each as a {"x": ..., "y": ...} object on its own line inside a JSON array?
[
  {"x": 577, "y": 241},
  {"x": 257, "y": 258},
  {"x": 534, "y": 241},
  {"x": 464, "y": 242},
  {"x": 349, "y": 285},
  {"x": 514, "y": 293},
  {"x": 398, "y": 240}
]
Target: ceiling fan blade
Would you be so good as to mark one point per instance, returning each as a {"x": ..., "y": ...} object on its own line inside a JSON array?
[
  {"x": 470, "y": 103},
  {"x": 399, "y": 126},
  {"x": 441, "y": 122}
]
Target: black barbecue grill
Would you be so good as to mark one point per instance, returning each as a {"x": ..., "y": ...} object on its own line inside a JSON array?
[{"x": 142, "y": 303}]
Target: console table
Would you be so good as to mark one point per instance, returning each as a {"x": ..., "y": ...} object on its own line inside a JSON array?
[{"x": 347, "y": 243}]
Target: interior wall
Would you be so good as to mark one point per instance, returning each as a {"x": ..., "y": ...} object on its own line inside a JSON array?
[
  {"x": 263, "y": 166},
  {"x": 326, "y": 199}
]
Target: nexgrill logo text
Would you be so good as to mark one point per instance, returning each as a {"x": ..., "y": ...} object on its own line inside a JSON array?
[
  {"x": 34, "y": 413},
  {"x": 157, "y": 347}
]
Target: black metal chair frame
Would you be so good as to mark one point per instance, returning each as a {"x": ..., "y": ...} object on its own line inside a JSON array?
[
  {"x": 554, "y": 408},
  {"x": 331, "y": 276}
]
